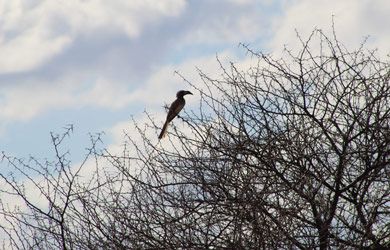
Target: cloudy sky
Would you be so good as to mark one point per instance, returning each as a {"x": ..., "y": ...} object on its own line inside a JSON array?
[{"x": 96, "y": 63}]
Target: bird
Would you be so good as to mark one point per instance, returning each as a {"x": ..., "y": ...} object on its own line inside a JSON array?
[{"x": 174, "y": 110}]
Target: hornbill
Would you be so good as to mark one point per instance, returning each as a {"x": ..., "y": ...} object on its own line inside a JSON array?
[{"x": 174, "y": 110}]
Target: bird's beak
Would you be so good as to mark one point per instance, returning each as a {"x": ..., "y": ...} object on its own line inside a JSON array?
[{"x": 189, "y": 93}]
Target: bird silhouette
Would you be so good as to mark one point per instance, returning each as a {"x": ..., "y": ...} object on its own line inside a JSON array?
[{"x": 174, "y": 110}]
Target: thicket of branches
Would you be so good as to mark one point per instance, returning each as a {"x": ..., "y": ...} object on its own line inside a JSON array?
[{"x": 292, "y": 153}]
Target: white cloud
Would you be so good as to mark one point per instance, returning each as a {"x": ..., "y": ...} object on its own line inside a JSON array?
[
  {"x": 106, "y": 94},
  {"x": 26, "y": 40},
  {"x": 224, "y": 22},
  {"x": 24, "y": 102},
  {"x": 34, "y": 32},
  {"x": 353, "y": 21},
  {"x": 31, "y": 34},
  {"x": 240, "y": 2},
  {"x": 29, "y": 50}
]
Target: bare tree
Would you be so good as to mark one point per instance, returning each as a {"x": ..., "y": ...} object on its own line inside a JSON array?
[{"x": 292, "y": 153}]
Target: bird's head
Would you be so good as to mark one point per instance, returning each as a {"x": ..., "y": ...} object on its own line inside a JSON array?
[{"x": 182, "y": 93}]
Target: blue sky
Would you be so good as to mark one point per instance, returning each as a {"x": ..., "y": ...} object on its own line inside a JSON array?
[{"x": 96, "y": 63}]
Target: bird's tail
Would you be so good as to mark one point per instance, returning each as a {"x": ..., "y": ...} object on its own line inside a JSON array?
[{"x": 164, "y": 130}]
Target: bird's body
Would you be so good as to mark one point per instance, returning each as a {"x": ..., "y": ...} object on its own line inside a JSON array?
[{"x": 174, "y": 110}]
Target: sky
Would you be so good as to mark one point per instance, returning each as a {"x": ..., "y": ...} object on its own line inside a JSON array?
[{"x": 98, "y": 64}]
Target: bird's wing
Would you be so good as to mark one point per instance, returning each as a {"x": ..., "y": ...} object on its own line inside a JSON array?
[{"x": 175, "y": 108}]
